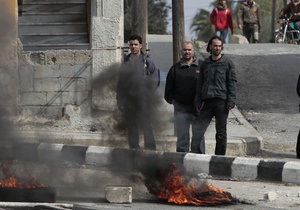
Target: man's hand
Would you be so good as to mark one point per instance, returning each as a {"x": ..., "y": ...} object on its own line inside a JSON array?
[{"x": 239, "y": 26}]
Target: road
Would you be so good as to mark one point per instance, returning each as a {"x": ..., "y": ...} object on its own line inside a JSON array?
[
  {"x": 267, "y": 75},
  {"x": 267, "y": 95}
]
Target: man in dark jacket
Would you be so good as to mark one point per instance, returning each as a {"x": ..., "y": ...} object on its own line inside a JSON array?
[
  {"x": 298, "y": 140},
  {"x": 138, "y": 79},
  {"x": 249, "y": 18},
  {"x": 180, "y": 91},
  {"x": 293, "y": 8},
  {"x": 215, "y": 93}
]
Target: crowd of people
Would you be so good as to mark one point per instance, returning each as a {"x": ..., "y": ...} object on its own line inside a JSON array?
[
  {"x": 199, "y": 89},
  {"x": 249, "y": 19}
]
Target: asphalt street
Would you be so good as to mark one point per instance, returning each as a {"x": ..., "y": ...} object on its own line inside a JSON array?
[{"x": 266, "y": 84}]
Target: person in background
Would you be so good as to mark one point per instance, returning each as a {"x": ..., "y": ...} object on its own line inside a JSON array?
[
  {"x": 221, "y": 18},
  {"x": 215, "y": 93},
  {"x": 298, "y": 140},
  {"x": 249, "y": 18},
  {"x": 180, "y": 91},
  {"x": 292, "y": 8},
  {"x": 138, "y": 80}
]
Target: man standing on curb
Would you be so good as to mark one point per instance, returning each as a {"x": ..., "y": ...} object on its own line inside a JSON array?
[
  {"x": 249, "y": 17},
  {"x": 180, "y": 91},
  {"x": 138, "y": 80},
  {"x": 298, "y": 140},
  {"x": 215, "y": 93}
]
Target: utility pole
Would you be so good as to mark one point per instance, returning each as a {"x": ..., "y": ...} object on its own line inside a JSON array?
[
  {"x": 177, "y": 27},
  {"x": 140, "y": 20},
  {"x": 274, "y": 6}
]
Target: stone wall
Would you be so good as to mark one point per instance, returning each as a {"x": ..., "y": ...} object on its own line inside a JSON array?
[{"x": 50, "y": 80}]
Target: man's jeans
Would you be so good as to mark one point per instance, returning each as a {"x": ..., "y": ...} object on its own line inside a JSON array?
[
  {"x": 223, "y": 33},
  {"x": 185, "y": 116},
  {"x": 214, "y": 108}
]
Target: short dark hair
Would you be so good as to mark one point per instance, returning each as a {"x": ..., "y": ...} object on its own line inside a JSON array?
[
  {"x": 210, "y": 42},
  {"x": 136, "y": 37}
]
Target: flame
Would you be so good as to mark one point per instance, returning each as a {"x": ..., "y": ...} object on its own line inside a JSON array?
[
  {"x": 175, "y": 189},
  {"x": 11, "y": 181}
]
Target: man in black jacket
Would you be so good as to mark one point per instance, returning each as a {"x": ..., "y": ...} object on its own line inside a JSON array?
[
  {"x": 215, "y": 93},
  {"x": 298, "y": 140},
  {"x": 180, "y": 91}
]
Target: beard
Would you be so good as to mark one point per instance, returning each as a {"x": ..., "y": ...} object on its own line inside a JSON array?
[{"x": 216, "y": 52}]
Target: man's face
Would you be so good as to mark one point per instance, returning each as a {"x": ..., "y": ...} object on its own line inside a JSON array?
[
  {"x": 249, "y": 1},
  {"x": 187, "y": 51},
  {"x": 222, "y": 2},
  {"x": 216, "y": 47},
  {"x": 135, "y": 47}
]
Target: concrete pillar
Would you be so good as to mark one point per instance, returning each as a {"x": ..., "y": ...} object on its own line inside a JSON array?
[
  {"x": 106, "y": 43},
  {"x": 9, "y": 56}
]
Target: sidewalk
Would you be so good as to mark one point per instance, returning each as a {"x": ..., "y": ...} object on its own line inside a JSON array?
[
  {"x": 243, "y": 139},
  {"x": 99, "y": 149}
]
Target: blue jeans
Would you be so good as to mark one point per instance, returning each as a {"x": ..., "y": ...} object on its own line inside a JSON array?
[
  {"x": 186, "y": 117},
  {"x": 296, "y": 26},
  {"x": 217, "y": 108},
  {"x": 223, "y": 33}
]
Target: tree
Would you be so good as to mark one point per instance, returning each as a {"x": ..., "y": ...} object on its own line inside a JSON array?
[
  {"x": 202, "y": 26},
  {"x": 157, "y": 17}
]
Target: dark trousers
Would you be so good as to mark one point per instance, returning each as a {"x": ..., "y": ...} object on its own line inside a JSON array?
[
  {"x": 214, "y": 108},
  {"x": 139, "y": 120},
  {"x": 251, "y": 32},
  {"x": 185, "y": 117}
]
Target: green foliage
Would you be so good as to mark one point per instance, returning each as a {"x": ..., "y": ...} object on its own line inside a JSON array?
[
  {"x": 202, "y": 26},
  {"x": 157, "y": 16}
]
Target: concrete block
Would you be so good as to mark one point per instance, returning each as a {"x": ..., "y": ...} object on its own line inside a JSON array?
[
  {"x": 290, "y": 172},
  {"x": 236, "y": 147},
  {"x": 33, "y": 98},
  {"x": 196, "y": 163},
  {"x": 99, "y": 156},
  {"x": 26, "y": 78},
  {"x": 118, "y": 194},
  {"x": 238, "y": 39},
  {"x": 74, "y": 84},
  {"x": 270, "y": 196},
  {"x": 244, "y": 168},
  {"x": 59, "y": 57},
  {"x": 47, "y": 84},
  {"x": 46, "y": 71},
  {"x": 49, "y": 152}
]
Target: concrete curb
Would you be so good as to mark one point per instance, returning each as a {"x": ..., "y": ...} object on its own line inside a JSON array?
[
  {"x": 237, "y": 146},
  {"x": 231, "y": 167}
]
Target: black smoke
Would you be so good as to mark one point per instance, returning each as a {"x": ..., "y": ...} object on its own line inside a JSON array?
[{"x": 134, "y": 92}]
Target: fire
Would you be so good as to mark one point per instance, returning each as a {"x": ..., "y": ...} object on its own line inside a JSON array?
[
  {"x": 175, "y": 189},
  {"x": 11, "y": 181}
]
